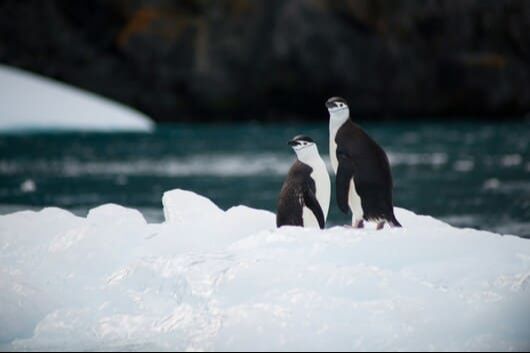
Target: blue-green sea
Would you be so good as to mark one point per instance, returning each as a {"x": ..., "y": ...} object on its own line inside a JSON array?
[{"x": 470, "y": 174}]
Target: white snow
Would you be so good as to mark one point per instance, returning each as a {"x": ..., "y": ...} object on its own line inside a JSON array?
[
  {"x": 209, "y": 279},
  {"x": 32, "y": 102},
  {"x": 175, "y": 206}
]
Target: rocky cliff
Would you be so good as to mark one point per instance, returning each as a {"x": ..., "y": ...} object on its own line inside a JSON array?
[{"x": 204, "y": 60}]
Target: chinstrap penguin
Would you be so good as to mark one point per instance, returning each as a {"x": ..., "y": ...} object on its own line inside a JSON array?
[
  {"x": 363, "y": 177},
  {"x": 304, "y": 197}
]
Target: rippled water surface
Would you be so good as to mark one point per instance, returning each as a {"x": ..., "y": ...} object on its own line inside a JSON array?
[{"x": 469, "y": 174}]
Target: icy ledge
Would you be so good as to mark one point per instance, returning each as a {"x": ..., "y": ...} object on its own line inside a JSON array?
[
  {"x": 32, "y": 102},
  {"x": 209, "y": 279}
]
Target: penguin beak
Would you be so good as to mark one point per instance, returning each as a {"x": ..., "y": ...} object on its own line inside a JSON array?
[{"x": 292, "y": 143}]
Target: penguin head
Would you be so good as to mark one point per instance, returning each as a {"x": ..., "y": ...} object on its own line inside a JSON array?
[
  {"x": 338, "y": 108},
  {"x": 305, "y": 148},
  {"x": 301, "y": 142}
]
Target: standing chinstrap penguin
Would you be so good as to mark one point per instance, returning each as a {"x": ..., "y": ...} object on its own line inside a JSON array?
[
  {"x": 363, "y": 177},
  {"x": 304, "y": 198}
]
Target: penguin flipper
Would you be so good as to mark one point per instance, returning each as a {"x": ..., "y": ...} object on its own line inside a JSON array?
[
  {"x": 311, "y": 202},
  {"x": 343, "y": 181}
]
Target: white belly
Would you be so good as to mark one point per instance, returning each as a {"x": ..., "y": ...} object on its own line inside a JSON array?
[
  {"x": 354, "y": 200},
  {"x": 310, "y": 221},
  {"x": 323, "y": 186},
  {"x": 320, "y": 176},
  {"x": 333, "y": 153}
]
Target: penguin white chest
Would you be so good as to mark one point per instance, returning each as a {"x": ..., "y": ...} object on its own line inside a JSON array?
[
  {"x": 322, "y": 182},
  {"x": 323, "y": 186},
  {"x": 310, "y": 221},
  {"x": 333, "y": 152},
  {"x": 354, "y": 200}
]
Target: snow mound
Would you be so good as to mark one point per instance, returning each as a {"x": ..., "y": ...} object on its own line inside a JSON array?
[
  {"x": 208, "y": 279},
  {"x": 177, "y": 206},
  {"x": 33, "y": 102}
]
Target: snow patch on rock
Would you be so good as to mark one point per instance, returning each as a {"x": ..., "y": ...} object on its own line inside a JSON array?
[{"x": 32, "y": 102}]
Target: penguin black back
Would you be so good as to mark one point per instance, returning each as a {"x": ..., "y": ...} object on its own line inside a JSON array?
[
  {"x": 298, "y": 191},
  {"x": 362, "y": 159}
]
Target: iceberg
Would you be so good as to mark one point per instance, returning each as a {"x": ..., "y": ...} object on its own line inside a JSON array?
[
  {"x": 32, "y": 102},
  {"x": 215, "y": 280}
]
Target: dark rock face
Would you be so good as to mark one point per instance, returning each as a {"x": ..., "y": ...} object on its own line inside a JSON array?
[{"x": 235, "y": 60}]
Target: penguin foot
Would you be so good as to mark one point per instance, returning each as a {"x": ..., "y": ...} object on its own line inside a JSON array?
[
  {"x": 359, "y": 224},
  {"x": 380, "y": 225}
]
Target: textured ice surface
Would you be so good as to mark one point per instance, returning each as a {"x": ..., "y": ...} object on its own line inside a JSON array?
[
  {"x": 29, "y": 101},
  {"x": 209, "y": 279}
]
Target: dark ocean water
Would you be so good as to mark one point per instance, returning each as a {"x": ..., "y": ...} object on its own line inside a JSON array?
[{"x": 470, "y": 174}]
